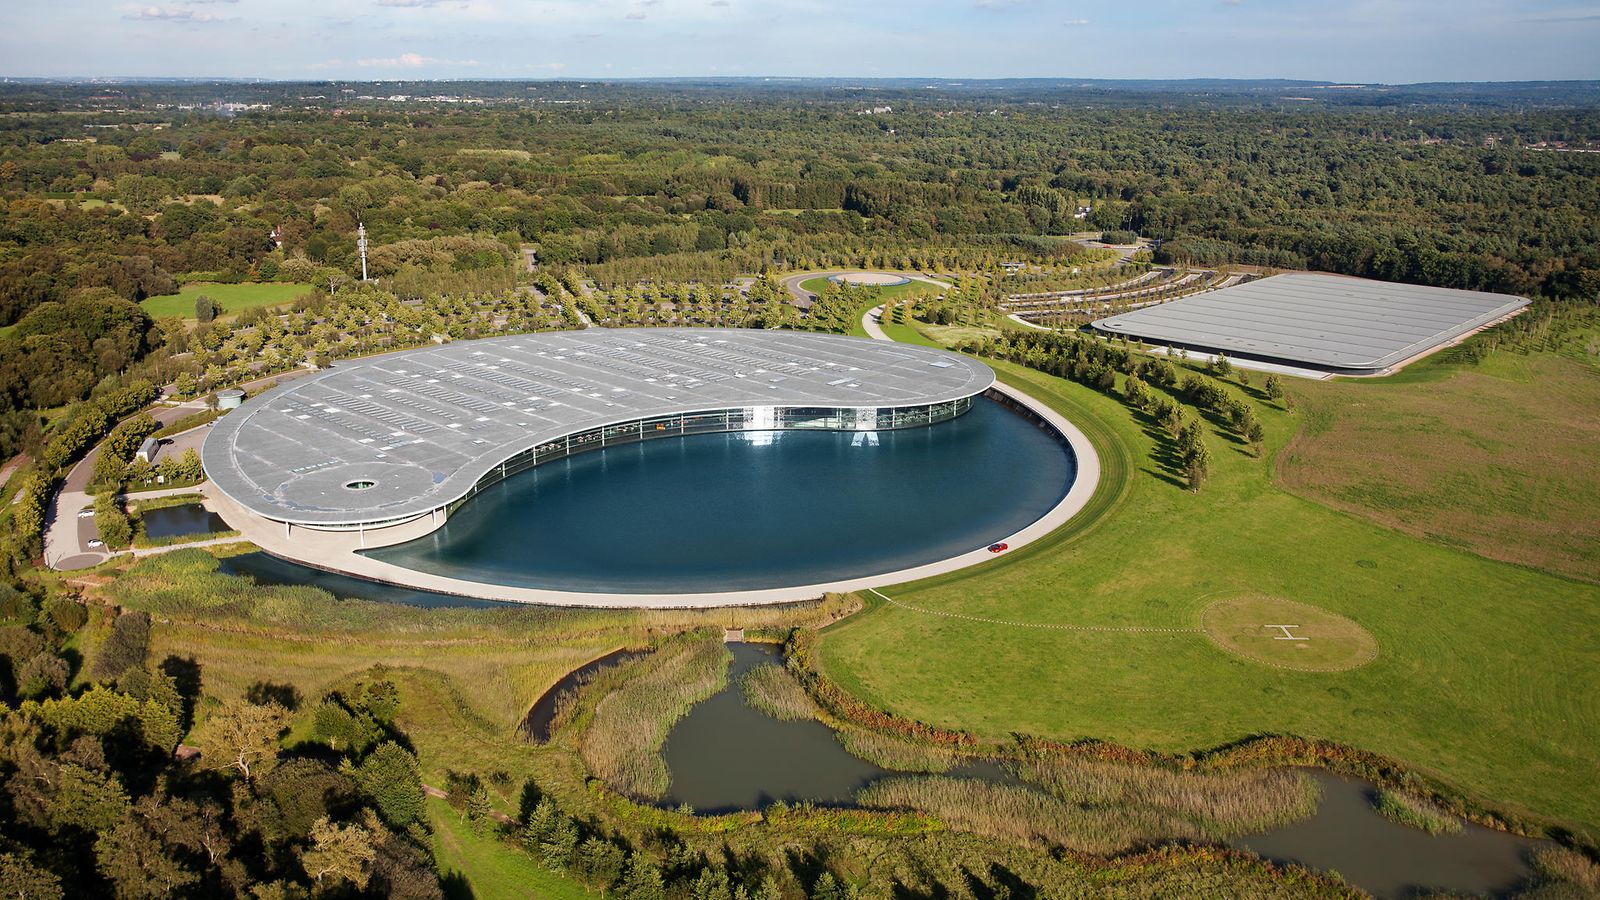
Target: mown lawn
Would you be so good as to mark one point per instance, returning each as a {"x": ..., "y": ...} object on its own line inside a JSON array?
[
  {"x": 234, "y": 298},
  {"x": 1488, "y": 674}
]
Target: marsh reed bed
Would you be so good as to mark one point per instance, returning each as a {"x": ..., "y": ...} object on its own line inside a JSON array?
[{"x": 622, "y": 744}]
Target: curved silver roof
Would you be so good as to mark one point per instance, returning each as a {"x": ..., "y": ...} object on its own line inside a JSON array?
[{"x": 424, "y": 425}]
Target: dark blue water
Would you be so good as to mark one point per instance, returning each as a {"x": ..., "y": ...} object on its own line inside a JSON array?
[
  {"x": 270, "y": 570},
  {"x": 181, "y": 521},
  {"x": 753, "y": 510}
]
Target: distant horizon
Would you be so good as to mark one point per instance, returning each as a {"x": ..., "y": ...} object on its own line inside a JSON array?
[
  {"x": 1356, "y": 42},
  {"x": 948, "y": 80}
]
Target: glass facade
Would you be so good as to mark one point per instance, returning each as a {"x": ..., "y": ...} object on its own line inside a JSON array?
[{"x": 757, "y": 418}]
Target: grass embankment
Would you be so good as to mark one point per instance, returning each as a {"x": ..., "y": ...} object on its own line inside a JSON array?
[
  {"x": 1488, "y": 675},
  {"x": 499, "y": 660},
  {"x": 233, "y": 298},
  {"x": 1414, "y": 812},
  {"x": 1496, "y": 458},
  {"x": 622, "y": 744}
]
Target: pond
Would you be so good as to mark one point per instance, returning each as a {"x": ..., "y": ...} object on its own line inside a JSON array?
[
  {"x": 726, "y": 755},
  {"x": 182, "y": 520},
  {"x": 753, "y": 509},
  {"x": 1387, "y": 860}
]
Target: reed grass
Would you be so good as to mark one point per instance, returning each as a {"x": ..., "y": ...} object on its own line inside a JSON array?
[
  {"x": 622, "y": 744},
  {"x": 896, "y": 753},
  {"x": 1415, "y": 812},
  {"x": 1221, "y": 803},
  {"x": 771, "y": 689},
  {"x": 1028, "y": 816}
]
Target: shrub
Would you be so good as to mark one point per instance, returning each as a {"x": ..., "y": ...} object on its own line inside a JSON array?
[{"x": 125, "y": 648}]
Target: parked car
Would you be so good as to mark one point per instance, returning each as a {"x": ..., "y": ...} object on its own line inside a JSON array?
[
  {"x": 96, "y": 544},
  {"x": 86, "y": 513}
]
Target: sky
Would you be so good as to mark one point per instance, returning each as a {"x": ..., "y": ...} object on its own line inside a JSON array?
[{"x": 1392, "y": 41}]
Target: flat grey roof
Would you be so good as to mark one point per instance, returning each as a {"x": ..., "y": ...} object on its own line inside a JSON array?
[
  {"x": 424, "y": 425},
  {"x": 1329, "y": 321}
]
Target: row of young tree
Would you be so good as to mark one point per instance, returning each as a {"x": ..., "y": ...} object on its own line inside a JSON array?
[{"x": 1152, "y": 386}]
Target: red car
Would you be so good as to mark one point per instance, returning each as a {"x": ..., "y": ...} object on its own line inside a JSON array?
[{"x": 996, "y": 548}]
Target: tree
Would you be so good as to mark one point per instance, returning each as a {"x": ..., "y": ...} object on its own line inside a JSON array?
[
  {"x": 21, "y": 878},
  {"x": 339, "y": 853},
  {"x": 135, "y": 862},
  {"x": 126, "y": 647},
  {"x": 205, "y": 308},
  {"x": 244, "y": 736},
  {"x": 642, "y": 881},
  {"x": 1274, "y": 386},
  {"x": 390, "y": 777}
]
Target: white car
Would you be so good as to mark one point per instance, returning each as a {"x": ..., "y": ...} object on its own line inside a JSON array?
[
  {"x": 86, "y": 513},
  {"x": 96, "y": 544}
]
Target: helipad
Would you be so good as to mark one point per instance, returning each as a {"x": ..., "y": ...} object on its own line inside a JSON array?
[{"x": 389, "y": 440}]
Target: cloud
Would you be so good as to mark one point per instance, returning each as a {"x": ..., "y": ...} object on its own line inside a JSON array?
[
  {"x": 411, "y": 61},
  {"x": 1075, "y": 23},
  {"x": 409, "y": 4},
  {"x": 171, "y": 14}
]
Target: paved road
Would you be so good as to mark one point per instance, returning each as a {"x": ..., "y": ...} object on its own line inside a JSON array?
[{"x": 67, "y": 537}]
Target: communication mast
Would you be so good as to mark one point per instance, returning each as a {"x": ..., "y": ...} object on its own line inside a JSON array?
[{"x": 361, "y": 244}]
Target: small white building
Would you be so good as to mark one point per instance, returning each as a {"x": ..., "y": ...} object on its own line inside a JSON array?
[{"x": 148, "y": 450}]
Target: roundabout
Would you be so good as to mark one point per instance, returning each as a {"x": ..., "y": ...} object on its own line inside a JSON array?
[{"x": 869, "y": 279}]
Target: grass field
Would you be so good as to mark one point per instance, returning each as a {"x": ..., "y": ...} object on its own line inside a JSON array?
[
  {"x": 481, "y": 866},
  {"x": 1487, "y": 675},
  {"x": 234, "y": 298},
  {"x": 1497, "y": 458},
  {"x": 881, "y": 293}
]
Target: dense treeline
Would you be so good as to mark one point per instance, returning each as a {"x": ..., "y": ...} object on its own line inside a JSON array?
[
  {"x": 1434, "y": 195},
  {"x": 632, "y": 187},
  {"x": 97, "y": 803}
]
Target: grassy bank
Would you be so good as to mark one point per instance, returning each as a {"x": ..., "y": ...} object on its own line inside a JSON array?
[{"x": 1496, "y": 698}]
